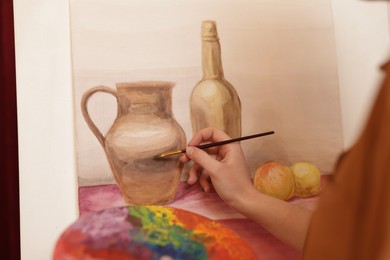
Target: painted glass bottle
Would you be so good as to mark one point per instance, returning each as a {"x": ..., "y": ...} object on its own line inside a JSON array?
[{"x": 214, "y": 101}]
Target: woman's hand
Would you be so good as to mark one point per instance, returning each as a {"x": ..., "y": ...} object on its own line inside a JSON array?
[{"x": 225, "y": 165}]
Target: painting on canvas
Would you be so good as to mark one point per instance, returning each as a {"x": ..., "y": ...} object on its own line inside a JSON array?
[{"x": 279, "y": 56}]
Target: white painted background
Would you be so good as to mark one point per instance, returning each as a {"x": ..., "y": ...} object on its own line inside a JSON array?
[{"x": 48, "y": 195}]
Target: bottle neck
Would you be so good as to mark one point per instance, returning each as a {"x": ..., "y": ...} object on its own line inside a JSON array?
[{"x": 211, "y": 59}]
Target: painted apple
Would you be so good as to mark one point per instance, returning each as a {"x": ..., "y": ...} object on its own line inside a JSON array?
[
  {"x": 307, "y": 178},
  {"x": 274, "y": 179}
]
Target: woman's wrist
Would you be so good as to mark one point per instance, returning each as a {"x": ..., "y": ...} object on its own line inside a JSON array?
[
  {"x": 257, "y": 206},
  {"x": 244, "y": 200}
]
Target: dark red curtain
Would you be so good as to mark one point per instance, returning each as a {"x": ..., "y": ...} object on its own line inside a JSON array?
[{"x": 9, "y": 176}]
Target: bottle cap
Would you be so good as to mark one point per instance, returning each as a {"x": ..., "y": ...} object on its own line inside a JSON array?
[{"x": 209, "y": 31}]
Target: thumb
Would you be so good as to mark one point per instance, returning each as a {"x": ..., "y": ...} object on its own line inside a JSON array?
[{"x": 203, "y": 159}]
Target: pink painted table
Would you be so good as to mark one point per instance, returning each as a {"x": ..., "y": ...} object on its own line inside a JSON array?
[{"x": 210, "y": 205}]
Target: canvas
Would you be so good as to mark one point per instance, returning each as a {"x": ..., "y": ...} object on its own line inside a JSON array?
[{"x": 279, "y": 55}]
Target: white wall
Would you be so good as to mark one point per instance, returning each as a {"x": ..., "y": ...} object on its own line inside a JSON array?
[
  {"x": 362, "y": 42},
  {"x": 48, "y": 192}
]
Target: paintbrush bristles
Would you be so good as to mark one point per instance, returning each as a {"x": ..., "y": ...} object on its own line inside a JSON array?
[{"x": 168, "y": 154}]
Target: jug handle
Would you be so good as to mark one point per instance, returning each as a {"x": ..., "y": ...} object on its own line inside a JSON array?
[{"x": 84, "y": 109}]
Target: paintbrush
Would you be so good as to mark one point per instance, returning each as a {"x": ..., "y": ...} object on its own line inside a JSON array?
[{"x": 205, "y": 146}]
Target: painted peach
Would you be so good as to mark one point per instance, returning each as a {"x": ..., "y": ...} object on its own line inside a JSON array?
[
  {"x": 274, "y": 179},
  {"x": 307, "y": 178}
]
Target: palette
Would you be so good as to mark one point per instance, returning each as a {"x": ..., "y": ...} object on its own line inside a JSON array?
[{"x": 149, "y": 232}]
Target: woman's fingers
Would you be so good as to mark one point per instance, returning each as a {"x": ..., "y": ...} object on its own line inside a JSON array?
[
  {"x": 204, "y": 181},
  {"x": 193, "y": 173},
  {"x": 208, "y": 135},
  {"x": 201, "y": 157}
]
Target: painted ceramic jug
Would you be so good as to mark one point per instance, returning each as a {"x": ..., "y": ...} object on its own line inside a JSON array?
[{"x": 144, "y": 127}]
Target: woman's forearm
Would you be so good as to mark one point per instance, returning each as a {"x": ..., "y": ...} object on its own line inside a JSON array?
[{"x": 286, "y": 221}]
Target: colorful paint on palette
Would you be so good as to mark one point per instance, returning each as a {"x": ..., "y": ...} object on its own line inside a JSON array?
[{"x": 149, "y": 232}]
